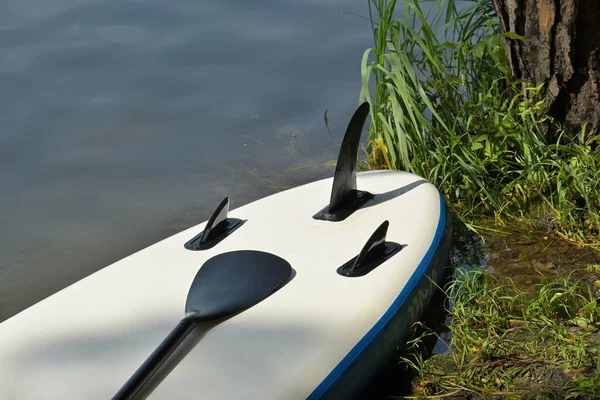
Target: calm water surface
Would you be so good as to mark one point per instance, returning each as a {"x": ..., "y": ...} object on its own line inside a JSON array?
[{"x": 123, "y": 122}]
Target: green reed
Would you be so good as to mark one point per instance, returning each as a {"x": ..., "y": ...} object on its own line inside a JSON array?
[{"x": 443, "y": 106}]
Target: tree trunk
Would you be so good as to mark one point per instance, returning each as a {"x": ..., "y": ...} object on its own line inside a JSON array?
[{"x": 562, "y": 51}]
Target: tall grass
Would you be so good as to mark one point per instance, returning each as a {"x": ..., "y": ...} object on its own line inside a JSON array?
[{"x": 443, "y": 106}]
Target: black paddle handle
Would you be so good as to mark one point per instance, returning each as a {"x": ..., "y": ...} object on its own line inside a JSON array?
[{"x": 137, "y": 381}]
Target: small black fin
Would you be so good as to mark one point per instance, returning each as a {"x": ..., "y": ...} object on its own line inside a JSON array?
[
  {"x": 345, "y": 198},
  {"x": 373, "y": 254},
  {"x": 217, "y": 228},
  {"x": 216, "y": 223}
]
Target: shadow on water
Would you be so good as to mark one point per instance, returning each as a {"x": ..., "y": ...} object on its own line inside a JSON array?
[{"x": 396, "y": 379}]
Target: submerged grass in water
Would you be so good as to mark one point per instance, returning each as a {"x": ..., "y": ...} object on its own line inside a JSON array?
[
  {"x": 531, "y": 332},
  {"x": 506, "y": 343}
]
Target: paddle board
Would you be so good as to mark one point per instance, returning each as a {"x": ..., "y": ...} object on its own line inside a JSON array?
[{"x": 365, "y": 248}]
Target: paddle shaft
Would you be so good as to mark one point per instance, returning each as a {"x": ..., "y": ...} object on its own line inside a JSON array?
[{"x": 137, "y": 381}]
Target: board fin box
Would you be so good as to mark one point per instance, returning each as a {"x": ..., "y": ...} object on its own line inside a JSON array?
[
  {"x": 372, "y": 255},
  {"x": 218, "y": 227}
]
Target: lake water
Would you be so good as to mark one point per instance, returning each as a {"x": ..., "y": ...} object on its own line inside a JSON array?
[{"x": 123, "y": 122}]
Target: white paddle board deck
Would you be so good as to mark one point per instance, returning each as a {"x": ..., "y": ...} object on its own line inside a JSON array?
[{"x": 321, "y": 335}]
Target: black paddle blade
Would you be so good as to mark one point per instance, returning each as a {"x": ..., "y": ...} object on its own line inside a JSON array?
[
  {"x": 225, "y": 285},
  {"x": 234, "y": 281}
]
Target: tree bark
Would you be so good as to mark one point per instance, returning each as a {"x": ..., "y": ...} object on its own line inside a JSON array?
[{"x": 562, "y": 51}]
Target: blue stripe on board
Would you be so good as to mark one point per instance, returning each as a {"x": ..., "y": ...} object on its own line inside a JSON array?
[{"x": 385, "y": 319}]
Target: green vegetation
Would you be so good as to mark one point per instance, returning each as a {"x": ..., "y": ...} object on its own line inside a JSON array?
[
  {"x": 443, "y": 106},
  {"x": 543, "y": 343}
]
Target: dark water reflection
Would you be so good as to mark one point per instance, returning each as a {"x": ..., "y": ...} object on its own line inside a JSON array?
[{"x": 122, "y": 122}]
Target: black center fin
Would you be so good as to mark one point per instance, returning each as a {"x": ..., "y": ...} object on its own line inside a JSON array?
[
  {"x": 373, "y": 254},
  {"x": 217, "y": 228},
  {"x": 345, "y": 198}
]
